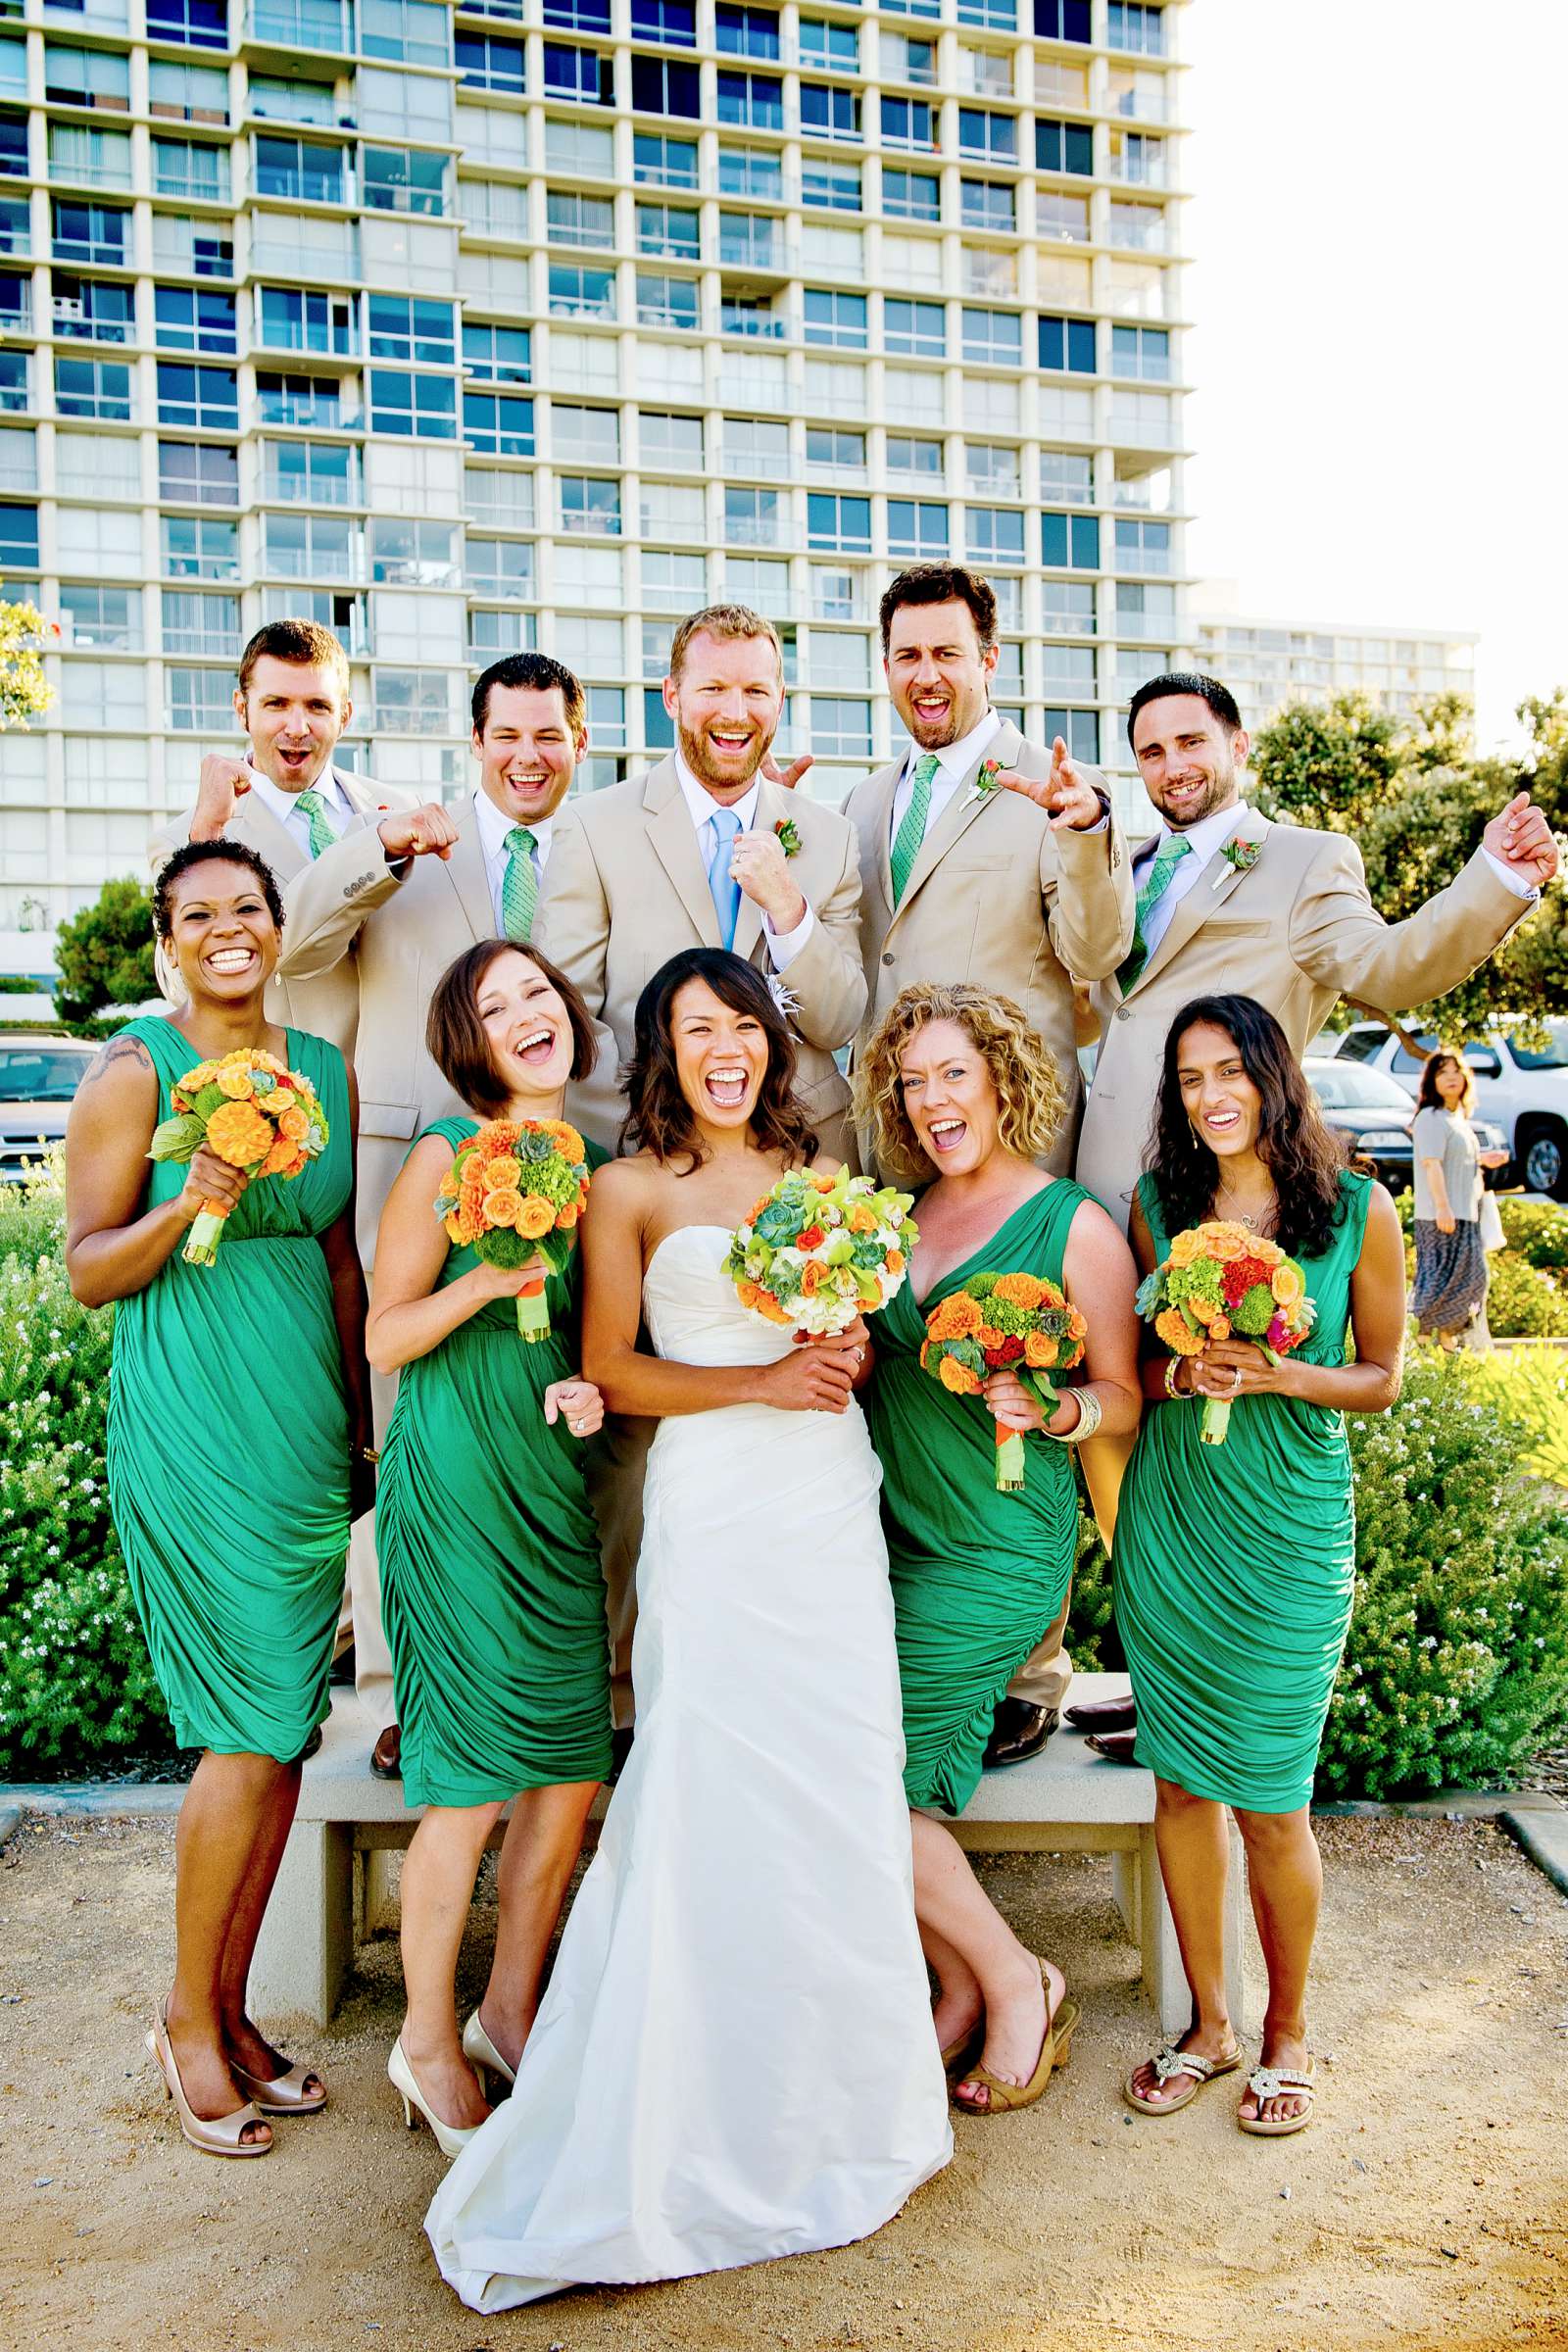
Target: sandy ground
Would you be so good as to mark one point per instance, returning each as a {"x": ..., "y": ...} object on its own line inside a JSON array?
[{"x": 1427, "y": 2207}]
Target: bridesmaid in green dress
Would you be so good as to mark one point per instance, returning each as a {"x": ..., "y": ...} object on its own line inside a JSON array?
[
  {"x": 492, "y": 1589},
  {"x": 236, "y": 1390},
  {"x": 965, "y": 1097},
  {"x": 1236, "y": 1564}
]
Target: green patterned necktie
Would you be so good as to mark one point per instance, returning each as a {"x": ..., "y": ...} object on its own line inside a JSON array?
[
  {"x": 911, "y": 831},
  {"x": 520, "y": 885},
  {"x": 315, "y": 816},
  {"x": 1167, "y": 858}
]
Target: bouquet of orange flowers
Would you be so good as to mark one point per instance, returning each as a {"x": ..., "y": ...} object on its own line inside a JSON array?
[
  {"x": 1217, "y": 1281},
  {"x": 514, "y": 1191},
  {"x": 249, "y": 1110},
  {"x": 818, "y": 1251},
  {"x": 1017, "y": 1323}
]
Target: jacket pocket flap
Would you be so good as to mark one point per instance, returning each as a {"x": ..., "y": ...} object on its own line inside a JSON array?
[{"x": 387, "y": 1119}]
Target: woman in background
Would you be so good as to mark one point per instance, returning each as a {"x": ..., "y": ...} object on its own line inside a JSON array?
[{"x": 1449, "y": 1298}]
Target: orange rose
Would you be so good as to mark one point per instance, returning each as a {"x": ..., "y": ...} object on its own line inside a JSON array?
[
  {"x": 822, "y": 1184},
  {"x": 503, "y": 1174},
  {"x": 1207, "y": 1310},
  {"x": 768, "y": 1305},
  {"x": 535, "y": 1215},
  {"x": 235, "y": 1084},
  {"x": 294, "y": 1123},
  {"x": 1078, "y": 1324},
  {"x": 278, "y": 1159},
  {"x": 238, "y": 1134},
  {"x": 470, "y": 1201},
  {"x": 957, "y": 1378},
  {"x": 813, "y": 1276},
  {"x": 1020, "y": 1290},
  {"x": 1039, "y": 1350},
  {"x": 893, "y": 1259},
  {"x": 1172, "y": 1326},
  {"x": 1184, "y": 1250},
  {"x": 281, "y": 1098},
  {"x": 567, "y": 1217},
  {"x": 569, "y": 1142},
  {"x": 1220, "y": 1328},
  {"x": 1225, "y": 1244},
  {"x": 1287, "y": 1284},
  {"x": 461, "y": 1229},
  {"x": 988, "y": 1336},
  {"x": 503, "y": 1208},
  {"x": 746, "y": 1293},
  {"x": 862, "y": 1219},
  {"x": 925, "y": 1354}
]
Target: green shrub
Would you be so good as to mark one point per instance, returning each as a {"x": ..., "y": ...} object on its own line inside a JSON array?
[
  {"x": 1536, "y": 1230},
  {"x": 1523, "y": 1301},
  {"x": 76, "y": 1685},
  {"x": 1534, "y": 1388}
]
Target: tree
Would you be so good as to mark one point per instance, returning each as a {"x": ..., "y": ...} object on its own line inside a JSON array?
[
  {"x": 105, "y": 954},
  {"x": 1327, "y": 764},
  {"x": 25, "y": 692}
]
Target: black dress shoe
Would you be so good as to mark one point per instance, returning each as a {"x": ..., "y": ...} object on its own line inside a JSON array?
[
  {"x": 1117, "y": 1745},
  {"x": 1018, "y": 1732},
  {"x": 620, "y": 1740},
  {"x": 342, "y": 1667},
  {"x": 310, "y": 1745},
  {"x": 386, "y": 1756},
  {"x": 1104, "y": 1715}
]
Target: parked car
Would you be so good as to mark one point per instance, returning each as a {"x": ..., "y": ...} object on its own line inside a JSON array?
[
  {"x": 1523, "y": 1093},
  {"x": 38, "y": 1076},
  {"x": 1372, "y": 1111}
]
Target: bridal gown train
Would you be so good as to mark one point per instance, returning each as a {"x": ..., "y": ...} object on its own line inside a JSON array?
[{"x": 734, "y": 2058}]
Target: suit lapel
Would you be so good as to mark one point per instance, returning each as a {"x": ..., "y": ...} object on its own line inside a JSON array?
[
  {"x": 884, "y": 784},
  {"x": 959, "y": 815},
  {"x": 673, "y": 838},
  {"x": 273, "y": 841},
  {"x": 360, "y": 796},
  {"x": 1212, "y": 888},
  {"x": 465, "y": 871}
]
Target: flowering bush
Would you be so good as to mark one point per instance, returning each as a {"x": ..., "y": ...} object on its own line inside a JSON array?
[{"x": 76, "y": 1685}]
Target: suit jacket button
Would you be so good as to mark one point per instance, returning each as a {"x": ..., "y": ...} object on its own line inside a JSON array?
[
  {"x": 888, "y": 958},
  {"x": 1124, "y": 1013}
]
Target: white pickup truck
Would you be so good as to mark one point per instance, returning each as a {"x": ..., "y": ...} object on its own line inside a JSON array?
[{"x": 1524, "y": 1093}]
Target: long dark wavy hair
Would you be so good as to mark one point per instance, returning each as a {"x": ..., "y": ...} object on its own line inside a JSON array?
[
  {"x": 658, "y": 1117},
  {"x": 1302, "y": 1153}
]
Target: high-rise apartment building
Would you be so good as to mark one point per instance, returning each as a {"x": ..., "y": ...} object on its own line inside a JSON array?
[
  {"x": 1268, "y": 664},
  {"x": 541, "y": 322}
]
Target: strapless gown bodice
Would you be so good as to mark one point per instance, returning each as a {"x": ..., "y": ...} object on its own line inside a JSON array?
[{"x": 691, "y": 1308}]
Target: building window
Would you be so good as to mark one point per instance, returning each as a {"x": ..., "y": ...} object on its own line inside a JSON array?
[
  {"x": 497, "y": 354},
  {"x": 317, "y": 474},
  {"x": 750, "y": 518},
  {"x": 841, "y": 729},
  {"x": 992, "y": 469},
  {"x": 907, "y": 122},
  {"x": 993, "y": 338},
  {"x": 1067, "y": 345},
  {"x": 909, "y": 452},
  {"x": 672, "y": 511},
  {"x": 419, "y": 332},
  {"x": 1068, "y": 606},
  {"x": 94, "y": 310},
  {"x": 994, "y": 138},
  {"x": 1062, "y": 20},
  {"x": 746, "y": 31},
  {"x": 15, "y": 398},
  {"x": 485, "y": 62},
  {"x": 828, "y": 112},
  {"x": 413, "y": 554},
  {"x": 1066, "y": 477},
  {"x": 194, "y": 318},
  {"x": 590, "y": 506},
  {"x": 832, "y": 188},
  {"x": 1080, "y": 730},
  {"x": 837, "y": 453},
  {"x": 660, "y": 163},
  {"x": 670, "y": 440},
  {"x": 198, "y": 473},
  {"x": 498, "y": 567},
  {"x": 494, "y": 633},
  {"x": 199, "y": 23},
  {"x": 916, "y": 329},
  {"x": 182, "y": 94},
  {"x": 674, "y": 23},
  {"x": 1140, "y": 29},
  {"x": 1143, "y": 547},
  {"x": 750, "y": 101},
  {"x": 200, "y": 701},
  {"x": 13, "y": 146},
  {"x": 988, "y": 204},
  {"x": 1140, "y": 351},
  {"x": 397, "y": 181},
  {"x": 840, "y": 525},
  {"x": 916, "y": 527},
  {"x": 572, "y": 218},
  {"x": 576, "y": 293},
  {"x": 310, "y": 400},
  {"x": 670, "y": 229},
  {"x": 829, "y": 48},
  {"x": 911, "y": 195},
  {"x": 424, "y": 406},
  {"x": 94, "y": 234},
  {"x": 277, "y": 100},
  {"x": 194, "y": 623},
  {"x": 582, "y": 75},
  {"x": 199, "y": 546},
  {"x": 579, "y": 16},
  {"x": 499, "y": 497},
  {"x": 751, "y": 171},
  {"x": 994, "y": 534},
  {"x": 302, "y": 547},
  {"x": 673, "y": 583},
  {"x": 1063, "y": 147},
  {"x": 19, "y": 536},
  {"x": 410, "y": 32},
  {"x": 756, "y": 445},
  {"x": 299, "y": 172},
  {"x": 498, "y": 424},
  {"x": 747, "y": 241},
  {"x": 95, "y": 78},
  {"x": 1070, "y": 542},
  {"x": 664, "y": 85},
  {"x": 666, "y": 301},
  {"x": 191, "y": 172},
  {"x": 836, "y": 319},
  {"x": 299, "y": 322},
  {"x": 206, "y": 398}
]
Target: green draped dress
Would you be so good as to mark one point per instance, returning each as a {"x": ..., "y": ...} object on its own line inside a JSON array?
[
  {"x": 491, "y": 1590},
  {"x": 228, "y": 1444},
  {"x": 978, "y": 1576},
  {"x": 1235, "y": 1565}
]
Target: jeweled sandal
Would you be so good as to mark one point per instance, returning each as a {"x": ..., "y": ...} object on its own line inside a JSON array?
[
  {"x": 1169, "y": 2063},
  {"x": 1275, "y": 2082}
]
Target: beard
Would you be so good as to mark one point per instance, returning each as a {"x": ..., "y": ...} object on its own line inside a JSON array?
[
  {"x": 694, "y": 750},
  {"x": 1220, "y": 793}
]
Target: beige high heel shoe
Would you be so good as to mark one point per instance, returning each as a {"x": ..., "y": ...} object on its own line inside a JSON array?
[
  {"x": 450, "y": 2138},
  {"x": 482, "y": 2053},
  {"x": 219, "y": 2136},
  {"x": 282, "y": 2095}
]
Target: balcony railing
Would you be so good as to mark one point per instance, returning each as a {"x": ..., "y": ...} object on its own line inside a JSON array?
[
  {"x": 300, "y": 334},
  {"x": 325, "y": 27},
  {"x": 751, "y": 530},
  {"x": 311, "y": 489}
]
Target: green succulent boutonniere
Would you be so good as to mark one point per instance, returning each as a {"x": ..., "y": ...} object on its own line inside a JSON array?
[
  {"x": 1242, "y": 855},
  {"x": 985, "y": 783},
  {"x": 789, "y": 837}
]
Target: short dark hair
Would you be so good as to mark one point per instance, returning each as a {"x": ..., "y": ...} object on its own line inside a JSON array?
[
  {"x": 455, "y": 1036},
  {"x": 304, "y": 641},
  {"x": 204, "y": 853},
  {"x": 942, "y": 585},
  {"x": 539, "y": 672},
  {"x": 1427, "y": 1095},
  {"x": 1219, "y": 699},
  {"x": 658, "y": 1117}
]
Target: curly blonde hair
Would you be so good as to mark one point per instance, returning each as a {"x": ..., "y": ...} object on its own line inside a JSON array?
[{"x": 1031, "y": 1097}]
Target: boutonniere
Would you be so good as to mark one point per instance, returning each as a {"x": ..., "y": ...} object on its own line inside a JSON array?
[
  {"x": 1239, "y": 854},
  {"x": 985, "y": 783},
  {"x": 788, "y": 836}
]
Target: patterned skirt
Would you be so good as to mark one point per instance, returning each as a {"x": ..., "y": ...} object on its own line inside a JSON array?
[{"x": 1450, "y": 1276}]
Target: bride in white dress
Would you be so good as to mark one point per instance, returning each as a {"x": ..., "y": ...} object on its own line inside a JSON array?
[{"x": 735, "y": 2057}]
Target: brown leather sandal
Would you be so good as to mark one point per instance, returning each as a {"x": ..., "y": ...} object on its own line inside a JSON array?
[{"x": 1003, "y": 2098}]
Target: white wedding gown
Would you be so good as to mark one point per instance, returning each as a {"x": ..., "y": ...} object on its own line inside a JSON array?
[{"x": 734, "y": 2058}]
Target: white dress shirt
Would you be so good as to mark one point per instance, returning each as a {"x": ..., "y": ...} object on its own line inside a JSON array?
[
  {"x": 954, "y": 764},
  {"x": 494, "y": 825},
  {"x": 1209, "y": 834},
  {"x": 782, "y": 945},
  {"x": 285, "y": 805}
]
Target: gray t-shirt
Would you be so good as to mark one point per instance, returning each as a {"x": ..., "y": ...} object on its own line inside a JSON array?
[{"x": 1444, "y": 1136}]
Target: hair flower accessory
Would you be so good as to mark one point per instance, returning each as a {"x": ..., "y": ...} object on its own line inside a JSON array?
[{"x": 788, "y": 836}]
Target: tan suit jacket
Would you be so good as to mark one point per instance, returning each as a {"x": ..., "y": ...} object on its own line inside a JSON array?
[
  {"x": 996, "y": 898},
  {"x": 401, "y": 935},
  {"x": 328, "y": 1005},
  {"x": 626, "y": 888},
  {"x": 1297, "y": 930}
]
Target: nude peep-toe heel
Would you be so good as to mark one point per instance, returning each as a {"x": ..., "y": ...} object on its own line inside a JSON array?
[
  {"x": 450, "y": 2138},
  {"x": 282, "y": 2095},
  {"x": 482, "y": 2053},
  {"x": 218, "y": 2135}
]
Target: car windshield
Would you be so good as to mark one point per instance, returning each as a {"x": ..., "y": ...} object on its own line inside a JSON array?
[
  {"x": 41, "y": 1074},
  {"x": 1552, "y": 1057},
  {"x": 1350, "y": 1086}
]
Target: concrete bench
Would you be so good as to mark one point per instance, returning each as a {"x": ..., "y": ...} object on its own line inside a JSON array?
[{"x": 331, "y": 1888}]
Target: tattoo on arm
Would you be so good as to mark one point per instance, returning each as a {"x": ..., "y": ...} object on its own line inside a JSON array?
[{"x": 118, "y": 1049}]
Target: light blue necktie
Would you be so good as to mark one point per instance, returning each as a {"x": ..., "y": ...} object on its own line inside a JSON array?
[{"x": 725, "y": 889}]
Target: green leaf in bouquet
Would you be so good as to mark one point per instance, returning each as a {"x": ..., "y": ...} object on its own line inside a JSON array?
[{"x": 178, "y": 1138}]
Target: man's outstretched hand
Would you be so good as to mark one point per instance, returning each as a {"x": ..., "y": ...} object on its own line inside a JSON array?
[
  {"x": 788, "y": 776},
  {"x": 1069, "y": 795},
  {"x": 1520, "y": 838}
]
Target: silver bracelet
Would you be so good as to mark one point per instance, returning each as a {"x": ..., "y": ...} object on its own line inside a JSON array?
[{"x": 1089, "y": 1414}]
